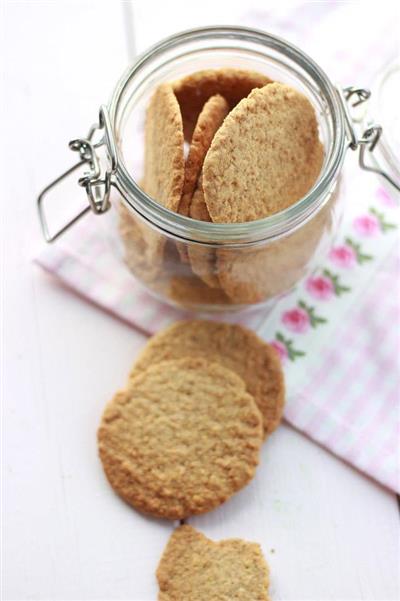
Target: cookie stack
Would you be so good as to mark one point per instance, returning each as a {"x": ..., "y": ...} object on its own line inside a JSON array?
[
  {"x": 253, "y": 150},
  {"x": 185, "y": 433}
]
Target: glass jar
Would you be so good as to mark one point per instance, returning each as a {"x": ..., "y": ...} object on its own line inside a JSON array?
[{"x": 195, "y": 264}]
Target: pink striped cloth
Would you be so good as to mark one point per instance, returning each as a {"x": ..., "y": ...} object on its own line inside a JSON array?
[
  {"x": 350, "y": 403},
  {"x": 338, "y": 332}
]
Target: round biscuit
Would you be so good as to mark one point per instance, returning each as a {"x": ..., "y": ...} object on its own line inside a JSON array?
[
  {"x": 198, "y": 208},
  {"x": 164, "y": 164},
  {"x": 203, "y": 259},
  {"x": 265, "y": 156},
  {"x": 231, "y": 345},
  {"x": 193, "y": 90},
  {"x": 210, "y": 119},
  {"x": 190, "y": 292},
  {"x": 261, "y": 273},
  {"x": 143, "y": 248},
  {"x": 181, "y": 439}
]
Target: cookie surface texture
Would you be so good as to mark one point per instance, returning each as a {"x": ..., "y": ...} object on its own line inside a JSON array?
[
  {"x": 210, "y": 119},
  {"x": 195, "y": 568},
  {"x": 198, "y": 208},
  {"x": 143, "y": 248},
  {"x": 181, "y": 439},
  {"x": 163, "y": 164},
  {"x": 265, "y": 156},
  {"x": 234, "y": 347},
  {"x": 193, "y": 91},
  {"x": 190, "y": 291},
  {"x": 258, "y": 274},
  {"x": 203, "y": 259},
  {"x": 164, "y": 158}
]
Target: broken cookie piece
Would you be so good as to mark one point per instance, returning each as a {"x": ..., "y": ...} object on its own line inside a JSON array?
[{"x": 196, "y": 568}]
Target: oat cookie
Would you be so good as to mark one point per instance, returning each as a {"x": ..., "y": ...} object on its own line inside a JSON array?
[
  {"x": 195, "y": 568},
  {"x": 139, "y": 243},
  {"x": 143, "y": 248},
  {"x": 198, "y": 208},
  {"x": 190, "y": 291},
  {"x": 193, "y": 91},
  {"x": 258, "y": 274},
  {"x": 234, "y": 347},
  {"x": 181, "y": 439},
  {"x": 203, "y": 259},
  {"x": 265, "y": 156},
  {"x": 211, "y": 117},
  {"x": 164, "y": 164}
]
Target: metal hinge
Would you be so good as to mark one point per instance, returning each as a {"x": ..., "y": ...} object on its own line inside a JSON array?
[
  {"x": 351, "y": 98},
  {"x": 96, "y": 181}
]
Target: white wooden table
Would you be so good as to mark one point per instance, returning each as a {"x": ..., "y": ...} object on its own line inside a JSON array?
[{"x": 326, "y": 530}]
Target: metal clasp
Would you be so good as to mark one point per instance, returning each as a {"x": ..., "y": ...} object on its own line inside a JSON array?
[
  {"x": 96, "y": 183},
  {"x": 351, "y": 98}
]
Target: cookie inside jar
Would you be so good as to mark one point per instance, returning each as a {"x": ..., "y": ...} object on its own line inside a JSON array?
[{"x": 229, "y": 147}]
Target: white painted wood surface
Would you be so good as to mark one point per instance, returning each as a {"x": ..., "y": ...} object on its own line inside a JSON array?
[{"x": 327, "y": 531}]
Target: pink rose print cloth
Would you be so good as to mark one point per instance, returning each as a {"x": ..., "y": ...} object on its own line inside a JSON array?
[
  {"x": 385, "y": 198},
  {"x": 338, "y": 339},
  {"x": 296, "y": 320},
  {"x": 281, "y": 349},
  {"x": 343, "y": 256},
  {"x": 320, "y": 287},
  {"x": 366, "y": 225}
]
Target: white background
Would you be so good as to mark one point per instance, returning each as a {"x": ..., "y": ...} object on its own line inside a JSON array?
[{"x": 326, "y": 530}]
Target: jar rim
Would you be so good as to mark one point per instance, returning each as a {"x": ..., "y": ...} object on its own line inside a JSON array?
[{"x": 186, "y": 228}]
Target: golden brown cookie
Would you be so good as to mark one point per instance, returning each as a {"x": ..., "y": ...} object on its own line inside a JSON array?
[
  {"x": 204, "y": 264},
  {"x": 195, "y": 568},
  {"x": 164, "y": 164},
  {"x": 234, "y": 347},
  {"x": 258, "y": 274},
  {"x": 137, "y": 238},
  {"x": 181, "y": 439},
  {"x": 190, "y": 291},
  {"x": 140, "y": 244},
  {"x": 210, "y": 119},
  {"x": 193, "y": 91},
  {"x": 198, "y": 208},
  {"x": 265, "y": 156},
  {"x": 203, "y": 259}
]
